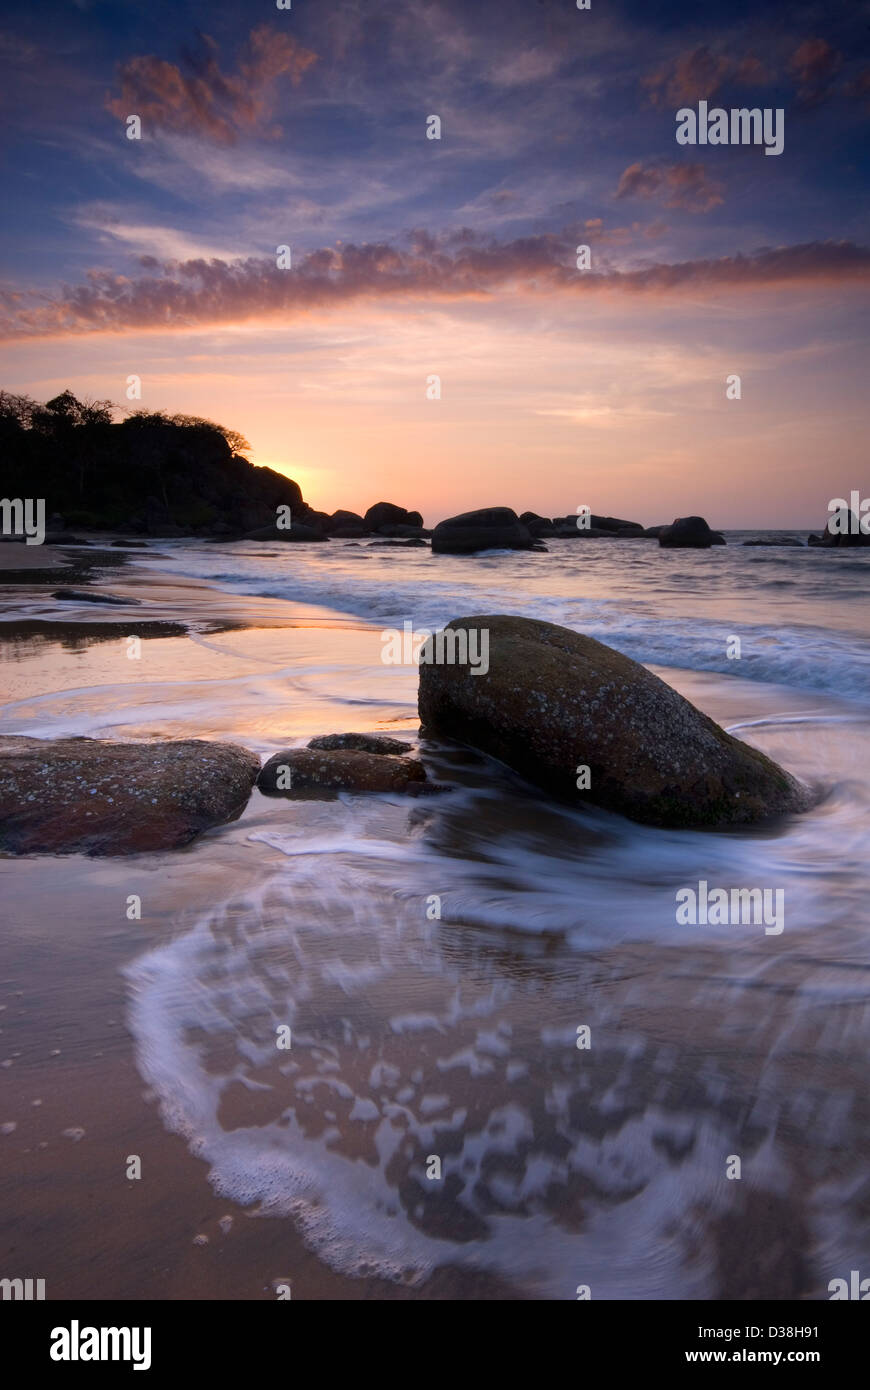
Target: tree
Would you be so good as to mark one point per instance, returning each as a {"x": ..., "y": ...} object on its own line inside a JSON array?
[{"x": 66, "y": 411}]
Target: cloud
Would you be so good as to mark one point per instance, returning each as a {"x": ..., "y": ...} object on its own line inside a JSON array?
[
  {"x": 675, "y": 185},
  {"x": 529, "y": 65},
  {"x": 199, "y": 293},
  {"x": 815, "y": 64},
  {"x": 196, "y": 98},
  {"x": 698, "y": 75}
]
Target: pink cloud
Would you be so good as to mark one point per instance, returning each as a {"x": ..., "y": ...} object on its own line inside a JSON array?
[
  {"x": 675, "y": 185},
  {"x": 198, "y": 293},
  {"x": 699, "y": 75},
  {"x": 201, "y": 99}
]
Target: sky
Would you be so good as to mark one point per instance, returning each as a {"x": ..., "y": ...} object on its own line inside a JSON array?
[{"x": 412, "y": 258}]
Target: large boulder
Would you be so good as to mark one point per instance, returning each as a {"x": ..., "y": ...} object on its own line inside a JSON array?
[
  {"x": 313, "y": 772},
  {"x": 689, "y": 533},
  {"x": 553, "y": 702},
  {"x": 87, "y": 796},
  {"x": 388, "y": 514},
  {"x": 491, "y": 528}
]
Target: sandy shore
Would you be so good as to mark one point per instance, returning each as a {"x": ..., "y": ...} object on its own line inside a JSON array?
[{"x": 15, "y": 555}]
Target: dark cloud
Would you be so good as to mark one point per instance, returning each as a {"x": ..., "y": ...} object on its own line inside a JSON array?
[
  {"x": 198, "y": 293},
  {"x": 684, "y": 186},
  {"x": 195, "y": 97}
]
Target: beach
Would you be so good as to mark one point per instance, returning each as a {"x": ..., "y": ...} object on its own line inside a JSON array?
[{"x": 452, "y": 1031}]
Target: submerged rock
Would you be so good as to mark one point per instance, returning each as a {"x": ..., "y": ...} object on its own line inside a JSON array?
[
  {"x": 87, "y": 796},
  {"x": 777, "y": 540},
  {"x": 307, "y": 772},
  {"x": 409, "y": 541},
  {"x": 554, "y": 702},
  {"x": 92, "y": 596},
  {"x": 490, "y": 528},
  {"x": 296, "y": 532}
]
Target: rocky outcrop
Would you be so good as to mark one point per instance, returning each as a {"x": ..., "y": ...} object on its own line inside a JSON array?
[
  {"x": 315, "y": 772},
  {"x": 88, "y": 796},
  {"x": 689, "y": 533},
  {"x": 150, "y": 474},
  {"x": 490, "y": 528},
  {"x": 554, "y": 703},
  {"x": 596, "y": 528},
  {"x": 843, "y": 529}
]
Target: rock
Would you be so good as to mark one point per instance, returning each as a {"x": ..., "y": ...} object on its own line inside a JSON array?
[
  {"x": 64, "y": 538},
  {"x": 87, "y": 796},
  {"x": 537, "y": 526},
  {"x": 843, "y": 529},
  {"x": 295, "y": 532},
  {"x": 405, "y": 532},
  {"x": 93, "y": 596},
  {"x": 307, "y": 772},
  {"x": 598, "y": 528},
  {"x": 346, "y": 525},
  {"x": 776, "y": 540},
  {"x": 654, "y": 531},
  {"x": 615, "y": 523},
  {"x": 131, "y": 545},
  {"x": 491, "y": 528},
  {"x": 388, "y": 514},
  {"x": 717, "y": 538},
  {"x": 688, "y": 533},
  {"x": 553, "y": 701},
  {"x": 314, "y": 520},
  {"x": 412, "y": 541},
  {"x": 363, "y": 743}
]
